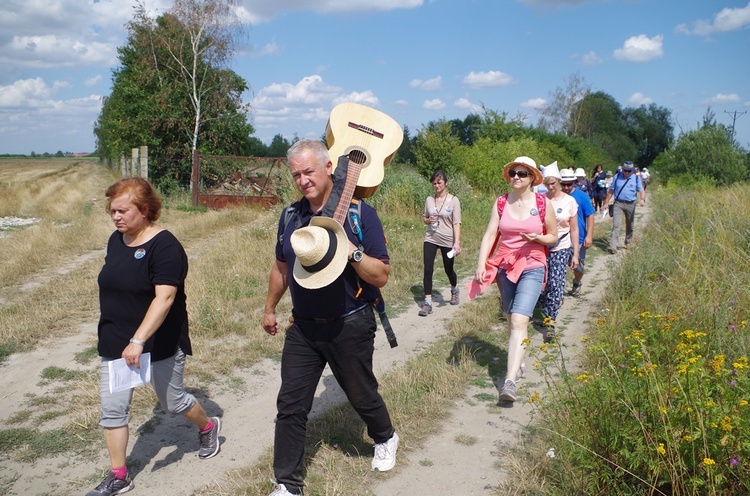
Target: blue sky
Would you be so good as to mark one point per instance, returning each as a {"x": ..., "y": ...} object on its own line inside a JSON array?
[{"x": 416, "y": 60}]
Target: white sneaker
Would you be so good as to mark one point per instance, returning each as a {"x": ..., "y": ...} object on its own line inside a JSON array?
[
  {"x": 281, "y": 490},
  {"x": 385, "y": 454}
]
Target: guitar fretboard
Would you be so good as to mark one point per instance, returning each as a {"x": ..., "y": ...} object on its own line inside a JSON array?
[{"x": 347, "y": 193}]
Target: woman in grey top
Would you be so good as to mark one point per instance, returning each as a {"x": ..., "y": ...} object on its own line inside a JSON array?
[{"x": 442, "y": 215}]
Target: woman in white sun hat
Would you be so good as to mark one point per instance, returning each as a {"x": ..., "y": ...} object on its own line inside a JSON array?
[
  {"x": 562, "y": 255},
  {"x": 521, "y": 227}
]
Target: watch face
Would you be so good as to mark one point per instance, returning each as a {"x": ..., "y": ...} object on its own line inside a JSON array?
[{"x": 357, "y": 256}]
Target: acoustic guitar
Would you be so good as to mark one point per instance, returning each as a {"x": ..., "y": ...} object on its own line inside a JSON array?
[{"x": 368, "y": 137}]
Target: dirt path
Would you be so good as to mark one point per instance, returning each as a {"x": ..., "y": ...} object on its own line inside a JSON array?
[
  {"x": 447, "y": 466},
  {"x": 166, "y": 453}
]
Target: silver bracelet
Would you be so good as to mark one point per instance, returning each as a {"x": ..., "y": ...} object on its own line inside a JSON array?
[{"x": 139, "y": 343}]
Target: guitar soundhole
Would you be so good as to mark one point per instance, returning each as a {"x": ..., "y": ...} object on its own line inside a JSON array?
[{"x": 357, "y": 156}]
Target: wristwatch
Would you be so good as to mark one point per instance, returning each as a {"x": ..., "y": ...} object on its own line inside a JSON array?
[{"x": 356, "y": 256}]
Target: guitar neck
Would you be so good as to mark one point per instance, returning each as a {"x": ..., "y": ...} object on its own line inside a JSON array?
[{"x": 347, "y": 193}]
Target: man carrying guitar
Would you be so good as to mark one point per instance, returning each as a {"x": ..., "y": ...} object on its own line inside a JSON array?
[{"x": 333, "y": 286}]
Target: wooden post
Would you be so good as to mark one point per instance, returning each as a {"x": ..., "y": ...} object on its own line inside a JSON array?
[
  {"x": 144, "y": 162},
  {"x": 134, "y": 168},
  {"x": 123, "y": 165}
]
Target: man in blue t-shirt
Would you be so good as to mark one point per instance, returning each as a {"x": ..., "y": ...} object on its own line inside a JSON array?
[
  {"x": 626, "y": 188},
  {"x": 585, "y": 225}
]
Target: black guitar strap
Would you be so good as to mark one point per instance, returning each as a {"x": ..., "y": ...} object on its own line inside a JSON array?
[{"x": 339, "y": 180}]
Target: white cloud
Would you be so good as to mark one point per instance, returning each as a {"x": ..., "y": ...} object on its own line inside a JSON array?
[
  {"x": 63, "y": 33},
  {"x": 309, "y": 100},
  {"x": 434, "y": 104},
  {"x": 93, "y": 81},
  {"x": 726, "y": 20},
  {"x": 264, "y": 10},
  {"x": 641, "y": 48},
  {"x": 401, "y": 102},
  {"x": 28, "y": 107},
  {"x": 24, "y": 93},
  {"x": 591, "y": 58},
  {"x": 534, "y": 104},
  {"x": 365, "y": 98},
  {"x": 433, "y": 84},
  {"x": 269, "y": 49},
  {"x": 720, "y": 98},
  {"x": 639, "y": 99},
  {"x": 465, "y": 104},
  {"x": 489, "y": 79}
]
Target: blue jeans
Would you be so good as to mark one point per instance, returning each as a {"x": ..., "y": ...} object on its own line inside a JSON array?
[
  {"x": 521, "y": 297},
  {"x": 346, "y": 345}
]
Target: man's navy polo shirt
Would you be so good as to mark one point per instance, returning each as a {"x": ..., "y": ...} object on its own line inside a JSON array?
[{"x": 339, "y": 297}]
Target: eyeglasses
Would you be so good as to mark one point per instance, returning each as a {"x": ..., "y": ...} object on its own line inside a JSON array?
[
  {"x": 627, "y": 171},
  {"x": 520, "y": 173}
]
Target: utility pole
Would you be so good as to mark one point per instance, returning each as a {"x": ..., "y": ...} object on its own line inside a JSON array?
[{"x": 734, "y": 118}]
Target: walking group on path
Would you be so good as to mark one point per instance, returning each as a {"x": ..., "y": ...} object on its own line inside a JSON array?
[{"x": 334, "y": 272}]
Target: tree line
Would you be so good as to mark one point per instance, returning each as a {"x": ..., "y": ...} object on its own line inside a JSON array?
[{"x": 174, "y": 91}]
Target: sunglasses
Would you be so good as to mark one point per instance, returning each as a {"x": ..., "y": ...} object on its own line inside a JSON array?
[
  {"x": 627, "y": 171},
  {"x": 520, "y": 173},
  {"x": 566, "y": 185}
]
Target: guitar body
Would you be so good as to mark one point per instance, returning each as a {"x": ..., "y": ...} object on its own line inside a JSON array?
[{"x": 368, "y": 137}]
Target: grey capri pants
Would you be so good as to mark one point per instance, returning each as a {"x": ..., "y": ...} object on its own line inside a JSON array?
[{"x": 166, "y": 379}]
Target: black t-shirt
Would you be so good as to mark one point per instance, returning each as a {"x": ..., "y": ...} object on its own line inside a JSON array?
[
  {"x": 126, "y": 290},
  {"x": 342, "y": 295}
]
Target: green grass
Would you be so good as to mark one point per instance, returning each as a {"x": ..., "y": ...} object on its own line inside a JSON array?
[{"x": 662, "y": 404}]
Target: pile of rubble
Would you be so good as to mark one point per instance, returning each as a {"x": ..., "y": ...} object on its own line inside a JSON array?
[{"x": 10, "y": 223}]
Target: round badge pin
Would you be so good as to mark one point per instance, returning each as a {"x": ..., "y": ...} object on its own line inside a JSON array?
[
  {"x": 559, "y": 210},
  {"x": 534, "y": 211},
  {"x": 139, "y": 253}
]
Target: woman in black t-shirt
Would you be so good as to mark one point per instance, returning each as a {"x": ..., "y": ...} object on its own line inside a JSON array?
[{"x": 142, "y": 304}]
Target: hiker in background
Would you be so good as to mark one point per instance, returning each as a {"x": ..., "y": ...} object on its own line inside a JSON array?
[
  {"x": 598, "y": 187},
  {"x": 626, "y": 188},
  {"x": 142, "y": 301},
  {"x": 562, "y": 255},
  {"x": 522, "y": 226},
  {"x": 645, "y": 177},
  {"x": 582, "y": 183},
  {"x": 585, "y": 226},
  {"x": 442, "y": 214},
  {"x": 333, "y": 284}
]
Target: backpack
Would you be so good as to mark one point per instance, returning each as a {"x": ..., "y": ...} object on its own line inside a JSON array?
[
  {"x": 541, "y": 206},
  {"x": 354, "y": 216}
]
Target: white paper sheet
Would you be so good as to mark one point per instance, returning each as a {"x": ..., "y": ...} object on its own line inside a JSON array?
[{"x": 123, "y": 377}]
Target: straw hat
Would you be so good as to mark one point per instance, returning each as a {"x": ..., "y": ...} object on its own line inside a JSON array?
[
  {"x": 322, "y": 250},
  {"x": 529, "y": 164},
  {"x": 551, "y": 171}
]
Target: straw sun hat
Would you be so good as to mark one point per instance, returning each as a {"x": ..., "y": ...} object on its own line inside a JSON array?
[
  {"x": 322, "y": 251},
  {"x": 529, "y": 164}
]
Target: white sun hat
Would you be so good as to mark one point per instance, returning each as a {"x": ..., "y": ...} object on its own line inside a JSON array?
[{"x": 322, "y": 250}]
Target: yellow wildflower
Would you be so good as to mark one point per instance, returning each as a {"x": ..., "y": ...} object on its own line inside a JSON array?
[
  {"x": 661, "y": 450},
  {"x": 743, "y": 403},
  {"x": 726, "y": 424},
  {"x": 708, "y": 462}
]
